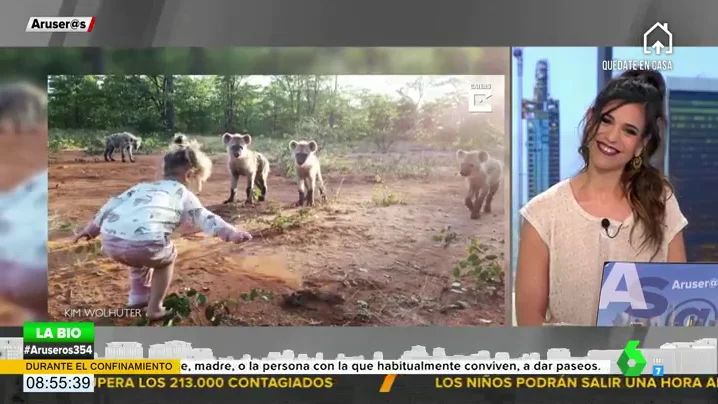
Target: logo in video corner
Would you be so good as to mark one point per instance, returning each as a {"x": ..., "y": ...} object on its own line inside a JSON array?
[
  {"x": 479, "y": 99},
  {"x": 658, "y": 371},
  {"x": 631, "y": 362},
  {"x": 653, "y": 37}
]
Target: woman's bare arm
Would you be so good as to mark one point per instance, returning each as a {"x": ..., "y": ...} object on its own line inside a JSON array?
[
  {"x": 677, "y": 249},
  {"x": 532, "y": 275}
]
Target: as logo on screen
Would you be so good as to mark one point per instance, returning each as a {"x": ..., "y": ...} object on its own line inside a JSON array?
[{"x": 646, "y": 304}]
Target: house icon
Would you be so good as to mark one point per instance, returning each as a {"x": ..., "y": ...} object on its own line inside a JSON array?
[{"x": 657, "y": 47}]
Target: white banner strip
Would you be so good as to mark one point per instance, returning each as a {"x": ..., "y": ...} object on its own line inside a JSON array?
[
  {"x": 60, "y": 24},
  {"x": 404, "y": 367}
]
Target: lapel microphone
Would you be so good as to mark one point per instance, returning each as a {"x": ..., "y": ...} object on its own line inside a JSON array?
[{"x": 605, "y": 223}]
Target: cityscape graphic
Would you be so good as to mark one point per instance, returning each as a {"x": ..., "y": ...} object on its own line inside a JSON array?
[{"x": 696, "y": 357}]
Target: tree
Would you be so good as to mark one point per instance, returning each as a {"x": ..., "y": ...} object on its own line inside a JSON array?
[{"x": 307, "y": 106}]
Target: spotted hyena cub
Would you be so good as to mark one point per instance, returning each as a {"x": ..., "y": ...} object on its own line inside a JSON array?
[
  {"x": 309, "y": 171},
  {"x": 243, "y": 161},
  {"x": 124, "y": 141},
  {"x": 483, "y": 175},
  {"x": 204, "y": 162}
]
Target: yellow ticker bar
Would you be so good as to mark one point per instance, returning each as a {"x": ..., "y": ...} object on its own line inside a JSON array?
[{"x": 98, "y": 367}]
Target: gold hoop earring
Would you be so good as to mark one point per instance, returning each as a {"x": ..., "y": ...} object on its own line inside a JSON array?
[{"x": 637, "y": 162}]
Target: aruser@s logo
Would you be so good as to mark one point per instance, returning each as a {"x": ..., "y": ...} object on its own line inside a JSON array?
[
  {"x": 691, "y": 312},
  {"x": 647, "y": 299}
]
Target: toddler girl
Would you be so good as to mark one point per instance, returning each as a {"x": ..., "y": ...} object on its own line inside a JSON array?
[
  {"x": 23, "y": 204},
  {"x": 136, "y": 225}
]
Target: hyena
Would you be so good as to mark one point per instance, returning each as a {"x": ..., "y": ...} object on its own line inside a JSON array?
[
  {"x": 483, "y": 175},
  {"x": 124, "y": 141},
  {"x": 309, "y": 171},
  {"x": 243, "y": 161},
  {"x": 204, "y": 163}
]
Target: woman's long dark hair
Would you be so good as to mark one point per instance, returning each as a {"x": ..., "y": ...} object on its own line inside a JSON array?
[{"x": 645, "y": 186}]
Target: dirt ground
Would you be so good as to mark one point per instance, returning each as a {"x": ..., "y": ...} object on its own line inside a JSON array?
[{"x": 350, "y": 262}]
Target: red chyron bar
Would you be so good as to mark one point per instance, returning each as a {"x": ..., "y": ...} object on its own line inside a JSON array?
[{"x": 60, "y": 24}]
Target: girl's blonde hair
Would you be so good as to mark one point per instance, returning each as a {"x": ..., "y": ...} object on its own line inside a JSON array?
[
  {"x": 186, "y": 154},
  {"x": 23, "y": 108}
]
